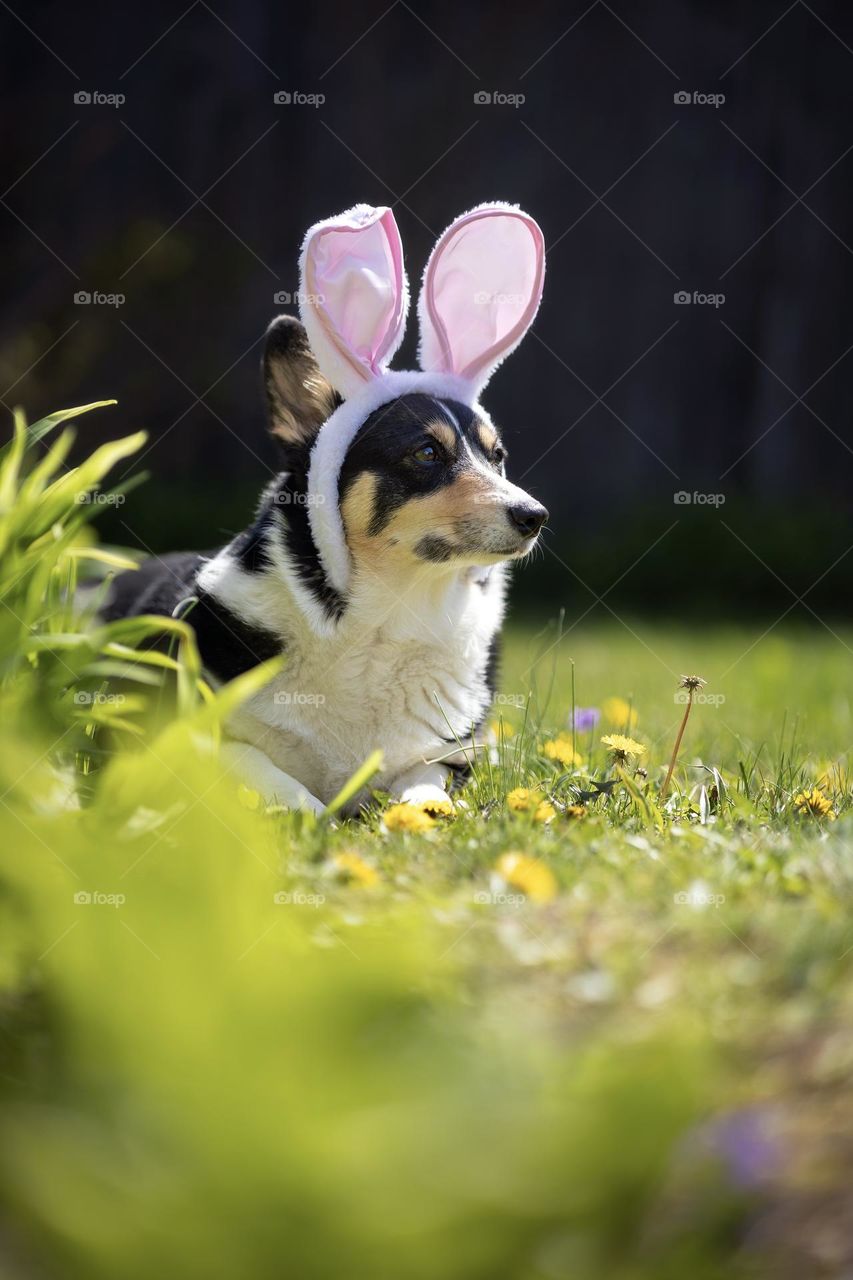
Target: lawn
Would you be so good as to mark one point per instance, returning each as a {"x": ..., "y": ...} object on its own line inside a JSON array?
[{"x": 578, "y": 1028}]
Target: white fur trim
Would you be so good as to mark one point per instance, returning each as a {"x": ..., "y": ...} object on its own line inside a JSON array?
[{"x": 330, "y": 448}]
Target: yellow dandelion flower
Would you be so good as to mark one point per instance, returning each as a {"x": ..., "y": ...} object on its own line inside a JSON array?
[
  {"x": 619, "y": 712},
  {"x": 544, "y": 812},
  {"x": 623, "y": 747},
  {"x": 560, "y": 749},
  {"x": 353, "y": 866},
  {"x": 815, "y": 803},
  {"x": 531, "y": 876},
  {"x": 407, "y": 817},
  {"x": 498, "y": 727},
  {"x": 575, "y": 811},
  {"x": 520, "y": 800}
]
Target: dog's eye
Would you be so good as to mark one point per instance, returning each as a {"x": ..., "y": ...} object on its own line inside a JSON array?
[
  {"x": 498, "y": 455},
  {"x": 426, "y": 456}
]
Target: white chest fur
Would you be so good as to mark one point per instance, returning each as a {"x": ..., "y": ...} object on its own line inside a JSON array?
[{"x": 404, "y": 671}]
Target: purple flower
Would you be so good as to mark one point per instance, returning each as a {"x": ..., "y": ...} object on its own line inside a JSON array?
[
  {"x": 748, "y": 1145},
  {"x": 586, "y": 718}
]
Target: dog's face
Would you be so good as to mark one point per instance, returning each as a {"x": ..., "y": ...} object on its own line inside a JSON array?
[{"x": 424, "y": 481}]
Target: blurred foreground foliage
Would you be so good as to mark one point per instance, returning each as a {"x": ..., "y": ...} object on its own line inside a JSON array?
[{"x": 226, "y": 1049}]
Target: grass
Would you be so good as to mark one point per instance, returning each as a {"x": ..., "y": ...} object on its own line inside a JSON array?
[{"x": 246, "y": 1042}]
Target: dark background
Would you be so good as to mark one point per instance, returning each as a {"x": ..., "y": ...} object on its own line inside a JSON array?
[{"x": 191, "y": 199}]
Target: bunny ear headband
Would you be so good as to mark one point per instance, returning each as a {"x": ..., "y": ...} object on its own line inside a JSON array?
[{"x": 480, "y": 294}]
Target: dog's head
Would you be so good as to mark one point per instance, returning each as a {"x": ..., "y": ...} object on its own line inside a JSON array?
[
  {"x": 405, "y": 469},
  {"x": 424, "y": 479}
]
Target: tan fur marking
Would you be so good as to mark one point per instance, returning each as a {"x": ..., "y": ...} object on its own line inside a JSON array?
[
  {"x": 357, "y": 512},
  {"x": 387, "y": 554},
  {"x": 488, "y": 436},
  {"x": 444, "y": 434},
  {"x": 437, "y": 512}
]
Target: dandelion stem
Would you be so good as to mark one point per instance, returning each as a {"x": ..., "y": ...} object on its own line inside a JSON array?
[{"x": 674, "y": 755}]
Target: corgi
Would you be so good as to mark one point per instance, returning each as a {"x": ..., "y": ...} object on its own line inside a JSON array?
[{"x": 377, "y": 561}]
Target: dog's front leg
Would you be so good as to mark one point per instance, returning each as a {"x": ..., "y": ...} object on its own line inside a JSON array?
[
  {"x": 257, "y": 771},
  {"x": 421, "y": 784}
]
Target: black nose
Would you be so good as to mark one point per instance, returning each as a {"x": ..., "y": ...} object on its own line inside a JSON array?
[{"x": 529, "y": 518}]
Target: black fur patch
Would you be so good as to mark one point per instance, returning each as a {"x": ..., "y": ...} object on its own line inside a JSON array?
[
  {"x": 155, "y": 587},
  {"x": 228, "y": 646},
  {"x": 250, "y": 547},
  {"x": 289, "y": 503},
  {"x": 493, "y": 663},
  {"x": 434, "y": 548}
]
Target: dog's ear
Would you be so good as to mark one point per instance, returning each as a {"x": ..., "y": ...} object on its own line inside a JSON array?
[{"x": 299, "y": 398}]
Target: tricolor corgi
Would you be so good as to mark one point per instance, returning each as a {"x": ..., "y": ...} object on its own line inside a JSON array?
[{"x": 377, "y": 561}]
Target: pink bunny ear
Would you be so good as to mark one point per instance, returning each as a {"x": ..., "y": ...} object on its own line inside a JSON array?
[
  {"x": 481, "y": 291},
  {"x": 354, "y": 296}
]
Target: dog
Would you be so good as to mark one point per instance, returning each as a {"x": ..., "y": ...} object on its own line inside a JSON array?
[{"x": 377, "y": 561}]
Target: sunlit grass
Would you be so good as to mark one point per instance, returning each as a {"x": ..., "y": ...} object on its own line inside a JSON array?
[{"x": 591, "y": 1031}]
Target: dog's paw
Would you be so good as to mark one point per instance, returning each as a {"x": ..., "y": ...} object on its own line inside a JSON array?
[{"x": 427, "y": 796}]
